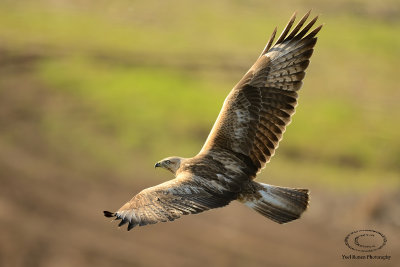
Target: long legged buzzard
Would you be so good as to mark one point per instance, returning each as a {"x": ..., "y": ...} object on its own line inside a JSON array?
[{"x": 243, "y": 139}]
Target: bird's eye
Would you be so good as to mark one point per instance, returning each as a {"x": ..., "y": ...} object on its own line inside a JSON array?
[{"x": 167, "y": 162}]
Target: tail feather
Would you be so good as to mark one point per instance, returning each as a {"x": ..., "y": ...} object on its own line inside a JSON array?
[{"x": 280, "y": 204}]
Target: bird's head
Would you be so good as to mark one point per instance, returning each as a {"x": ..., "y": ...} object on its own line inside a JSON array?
[{"x": 171, "y": 163}]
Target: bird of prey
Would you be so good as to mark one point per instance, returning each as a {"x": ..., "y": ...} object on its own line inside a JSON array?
[{"x": 243, "y": 139}]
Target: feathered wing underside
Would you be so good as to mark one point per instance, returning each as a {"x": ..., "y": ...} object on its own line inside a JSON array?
[
  {"x": 258, "y": 109},
  {"x": 169, "y": 201}
]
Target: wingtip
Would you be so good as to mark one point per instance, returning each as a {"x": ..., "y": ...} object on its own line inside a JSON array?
[
  {"x": 122, "y": 222},
  {"x": 307, "y": 14},
  {"x": 293, "y": 17},
  {"x": 109, "y": 214},
  {"x": 130, "y": 226},
  {"x": 270, "y": 42},
  {"x": 315, "y": 31},
  {"x": 288, "y": 27}
]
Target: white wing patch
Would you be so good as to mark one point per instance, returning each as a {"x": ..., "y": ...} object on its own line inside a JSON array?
[
  {"x": 240, "y": 129},
  {"x": 242, "y": 115}
]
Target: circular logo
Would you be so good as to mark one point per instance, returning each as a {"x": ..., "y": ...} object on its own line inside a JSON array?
[{"x": 365, "y": 240}]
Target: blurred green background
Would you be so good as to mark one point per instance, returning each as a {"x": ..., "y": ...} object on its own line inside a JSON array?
[{"x": 92, "y": 93}]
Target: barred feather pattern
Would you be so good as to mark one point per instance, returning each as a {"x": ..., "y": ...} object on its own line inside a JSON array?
[
  {"x": 169, "y": 201},
  {"x": 258, "y": 109}
]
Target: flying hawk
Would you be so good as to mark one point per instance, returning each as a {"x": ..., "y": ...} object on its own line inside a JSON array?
[{"x": 243, "y": 139}]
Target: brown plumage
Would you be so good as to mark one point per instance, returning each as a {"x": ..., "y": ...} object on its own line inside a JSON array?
[{"x": 244, "y": 137}]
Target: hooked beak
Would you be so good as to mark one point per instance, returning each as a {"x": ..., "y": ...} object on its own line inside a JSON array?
[{"x": 158, "y": 164}]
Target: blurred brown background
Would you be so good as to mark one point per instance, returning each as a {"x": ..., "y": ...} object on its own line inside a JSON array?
[{"x": 93, "y": 93}]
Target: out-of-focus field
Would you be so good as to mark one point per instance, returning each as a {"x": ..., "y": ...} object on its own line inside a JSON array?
[{"x": 92, "y": 93}]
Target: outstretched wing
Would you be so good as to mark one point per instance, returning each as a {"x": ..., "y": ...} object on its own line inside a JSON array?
[
  {"x": 169, "y": 201},
  {"x": 258, "y": 109}
]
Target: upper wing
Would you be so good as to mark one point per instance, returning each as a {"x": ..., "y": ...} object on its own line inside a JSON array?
[
  {"x": 258, "y": 109},
  {"x": 169, "y": 201}
]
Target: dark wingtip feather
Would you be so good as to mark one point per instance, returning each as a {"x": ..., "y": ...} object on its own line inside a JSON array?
[
  {"x": 306, "y": 28},
  {"x": 270, "y": 41},
  {"x": 295, "y": 34},
  {"x": 315, "y": 31},
  {"x": 287, "y": 28},
  {"x": 124, "y": 221},
  {"x": 109, "y": 214},
  {"x": 130, "y": 226},
  {"x": 299, "y": 25}
]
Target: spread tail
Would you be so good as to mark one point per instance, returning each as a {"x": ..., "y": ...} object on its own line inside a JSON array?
[{"x": 280, "y": 204}]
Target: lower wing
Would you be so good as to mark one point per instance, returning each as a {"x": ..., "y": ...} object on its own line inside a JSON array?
[{"x": 169, "y": 201}]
